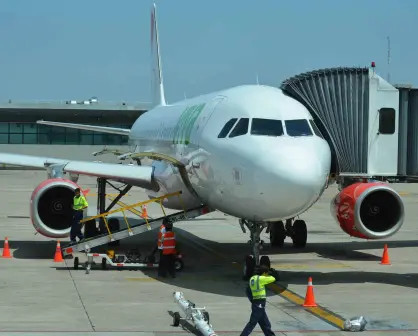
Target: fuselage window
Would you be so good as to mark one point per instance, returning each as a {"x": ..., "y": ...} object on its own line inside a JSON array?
[
  {"x": 298, "y": 127},
  {"x": 267, "y": 127},
  {"x": 225, "y": 130},
  {"x": 315, "y": 128},
  {"x": 240, "y": 129}
]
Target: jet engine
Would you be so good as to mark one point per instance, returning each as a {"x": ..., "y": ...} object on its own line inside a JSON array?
[
  {"x": 368, "y": 210},
  {"x": 51, "y": 207}
]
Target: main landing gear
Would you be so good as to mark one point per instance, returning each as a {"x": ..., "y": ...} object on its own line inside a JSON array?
[
  {"x": 90, "y": 228},
  {"x": 297, "y": 231},
  {"x": 253, "y": 260}
]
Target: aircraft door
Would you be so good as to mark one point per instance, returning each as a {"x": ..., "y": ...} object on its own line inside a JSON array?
[{"x": 204, "y": 117}]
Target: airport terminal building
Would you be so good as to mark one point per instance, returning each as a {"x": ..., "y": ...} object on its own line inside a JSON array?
[{"x": 20, "y": 134}]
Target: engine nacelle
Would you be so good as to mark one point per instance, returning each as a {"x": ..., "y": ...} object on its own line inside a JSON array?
[
  {"x": 51, "y": 207},
  {"x": 368, "y": 210}
]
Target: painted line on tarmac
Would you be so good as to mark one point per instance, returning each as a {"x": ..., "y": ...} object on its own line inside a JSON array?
[
  {"x": 322, "y": 313},
  {"x": 309, "y": 266}
]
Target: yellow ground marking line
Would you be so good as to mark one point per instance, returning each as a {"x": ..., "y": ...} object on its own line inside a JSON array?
[
  {"x": 403, "y": 193},
  {"x": 304, "y": 266},
  {"x": 320, "y": 312}
]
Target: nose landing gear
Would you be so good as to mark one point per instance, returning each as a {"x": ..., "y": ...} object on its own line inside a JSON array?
[
  {"x": 297, "y": 231},
  {"x": 251, "y": 261}
]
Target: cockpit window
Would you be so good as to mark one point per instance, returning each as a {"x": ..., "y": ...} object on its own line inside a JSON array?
[
  {"x": 269, "y": 127},
  {"x": 315, "y": 128},
  {"x": 225, "y": 130},
  {"x": 298, "y": 127},
  {"x": 240, "y": 129}
]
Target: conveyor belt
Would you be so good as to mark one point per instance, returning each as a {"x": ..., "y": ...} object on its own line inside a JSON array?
[{"x": 103, "y": 239}]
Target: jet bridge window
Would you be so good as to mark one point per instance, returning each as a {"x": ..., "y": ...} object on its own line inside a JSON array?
[
  {"x": 268, "y": 127},
  {"x": 386, "y": 120},
  {"x": 298, "y": 127},
  {"x": 225, "y": 130},
  {"x": 240, "y": 129},
  {"x": 315, "y": 129}
]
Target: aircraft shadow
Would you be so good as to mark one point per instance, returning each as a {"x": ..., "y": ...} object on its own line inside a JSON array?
[{"x": 206, "y": 271}]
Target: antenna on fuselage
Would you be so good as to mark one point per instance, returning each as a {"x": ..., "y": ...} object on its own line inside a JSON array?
[
  {"x": 184, "y": 95},
  {"x": 256, "y": 78}
]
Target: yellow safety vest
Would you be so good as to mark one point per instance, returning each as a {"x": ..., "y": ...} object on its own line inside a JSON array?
[
  {"x": 257, "y": 285},
  {"x": 80, "y": 202}
]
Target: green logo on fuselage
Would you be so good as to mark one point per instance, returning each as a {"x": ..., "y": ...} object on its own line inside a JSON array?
[{"x": 185, "y": 124}]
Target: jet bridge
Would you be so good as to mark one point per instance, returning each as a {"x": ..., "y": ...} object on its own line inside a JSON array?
[{"x": 357, "y": 112}]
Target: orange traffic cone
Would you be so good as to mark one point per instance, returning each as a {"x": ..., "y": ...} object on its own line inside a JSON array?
[
  {"x": 6, "y": 249},
  {"x": 385, "y": 256},
  {"x": 144, "y": 212},
  {"x": 310, "y": 297},
  {"x": 58, "y": 254}
]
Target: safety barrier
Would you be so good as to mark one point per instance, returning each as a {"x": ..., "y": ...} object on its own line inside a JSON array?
[{"x": 132, "y": 206}]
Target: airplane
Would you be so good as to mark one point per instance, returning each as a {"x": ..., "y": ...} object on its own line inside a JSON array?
[{"x": 250, "y": 151}]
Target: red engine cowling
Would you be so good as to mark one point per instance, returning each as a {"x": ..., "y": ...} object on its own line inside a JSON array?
[
  {"x": 51, "y": 207},
  {"x": 368, "y": 210}
]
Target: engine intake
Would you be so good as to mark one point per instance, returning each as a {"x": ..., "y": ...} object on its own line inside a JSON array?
[
  {"x": 368, "y": 210},
  {"x": 51, "y": 207}
]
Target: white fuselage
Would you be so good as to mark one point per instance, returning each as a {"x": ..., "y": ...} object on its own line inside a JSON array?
[{"x": 250, "y": 176}]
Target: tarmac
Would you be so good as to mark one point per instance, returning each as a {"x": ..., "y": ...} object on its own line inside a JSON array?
[{"x": 40, "y": 297}]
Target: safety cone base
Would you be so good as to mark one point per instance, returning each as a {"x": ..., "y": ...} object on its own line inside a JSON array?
[{"x": 310, "y": 305}]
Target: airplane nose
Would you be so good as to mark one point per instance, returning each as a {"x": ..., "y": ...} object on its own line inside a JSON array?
[{"x": 293, "y": 180}]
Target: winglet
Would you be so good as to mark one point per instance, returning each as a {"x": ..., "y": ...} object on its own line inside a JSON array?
[{"x": 157, "y": 75}]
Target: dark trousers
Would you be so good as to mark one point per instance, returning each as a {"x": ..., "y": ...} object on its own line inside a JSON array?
[
  {"x": 258, "y": 315},
  {"x": 76, "y": 227},
  {"x": 167, "y": 265}
]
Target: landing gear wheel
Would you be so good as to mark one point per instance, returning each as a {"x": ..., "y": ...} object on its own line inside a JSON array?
[
  {"x": 178, "y": 265},
  {"x": 206, "y": 316},
  {"x": 176, "y": 319},
  {"x": 104, "y": 263},
  {"x": 76, "y": 263},
  {"x": 277, "y": 234},
  {"x": 300, "y": 233},
  {"x": 265, "y": 260},
  {"x": 249, "y": 267}
]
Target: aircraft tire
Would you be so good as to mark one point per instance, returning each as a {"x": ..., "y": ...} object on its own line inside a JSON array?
[
  {"x": 265, "y": 260},
  {"x": 249, "y": 267},
  {"x": 277, "y": 234},
  {"x": 300, "y": 233}
]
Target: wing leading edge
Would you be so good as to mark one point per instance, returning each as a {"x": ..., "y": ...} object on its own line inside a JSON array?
[
  {"x": 102, "y": 129},
  {"x": 138, "y": 176}
]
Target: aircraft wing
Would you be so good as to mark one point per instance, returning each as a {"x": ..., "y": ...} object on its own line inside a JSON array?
[
  {"x": 102, "y": 129},
  {"x": 139, "y": 176}
]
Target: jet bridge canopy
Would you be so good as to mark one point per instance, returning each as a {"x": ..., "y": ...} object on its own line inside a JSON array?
[{"x": 355, "y": 109}]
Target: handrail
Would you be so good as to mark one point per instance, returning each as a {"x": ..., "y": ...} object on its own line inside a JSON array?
[{"x": 129, "y": 207}]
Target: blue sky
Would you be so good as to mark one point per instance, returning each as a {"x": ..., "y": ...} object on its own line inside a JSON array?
[{"x": 53, "y": 50}]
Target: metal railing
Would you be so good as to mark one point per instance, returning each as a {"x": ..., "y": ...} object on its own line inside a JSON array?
[{"x": 158, "y": 200}]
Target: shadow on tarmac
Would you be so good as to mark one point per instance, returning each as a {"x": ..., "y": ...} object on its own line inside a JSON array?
[{"x": 206, "y": 271}]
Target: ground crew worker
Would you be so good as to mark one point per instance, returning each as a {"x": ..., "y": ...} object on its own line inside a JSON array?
[
  {"x": 79, "y": 204},
  {"x": 169, "y": 252},
  {"x": 159, "y": 247},
  {"x": 256, "y": 293}
]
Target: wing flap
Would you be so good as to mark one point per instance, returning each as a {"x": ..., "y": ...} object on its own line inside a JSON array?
[{"x": 93, "y": 128}]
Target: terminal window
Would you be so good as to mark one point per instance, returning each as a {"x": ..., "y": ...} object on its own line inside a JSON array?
[
  {"x": 387, "y": 120},
  {"x": 32, "y": 134}
]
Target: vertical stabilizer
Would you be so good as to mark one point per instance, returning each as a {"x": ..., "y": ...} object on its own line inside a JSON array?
[{"x": 157, "y": 75}]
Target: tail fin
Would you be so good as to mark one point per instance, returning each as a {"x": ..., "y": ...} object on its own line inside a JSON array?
[{"x": 157, "y": 75}]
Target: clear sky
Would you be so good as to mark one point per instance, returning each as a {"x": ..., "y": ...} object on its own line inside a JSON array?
[{"x": 53, "y": 50}]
